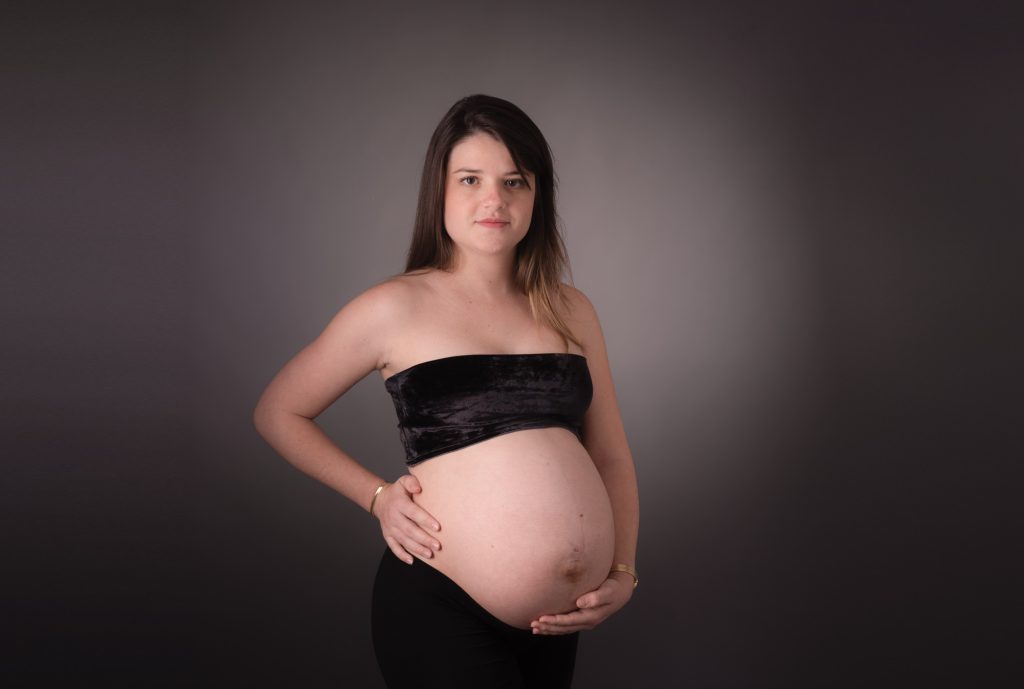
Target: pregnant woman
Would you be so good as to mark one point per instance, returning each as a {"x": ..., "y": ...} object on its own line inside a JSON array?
[{"x": 516, "y": 525}]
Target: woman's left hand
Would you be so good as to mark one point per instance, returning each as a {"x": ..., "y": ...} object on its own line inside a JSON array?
[{"x": 593, "y": 607}]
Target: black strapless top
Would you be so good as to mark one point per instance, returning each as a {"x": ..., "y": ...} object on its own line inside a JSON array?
[{"x": 446, "y": 404}]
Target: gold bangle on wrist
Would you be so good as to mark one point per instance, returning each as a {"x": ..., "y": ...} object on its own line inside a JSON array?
[
  {"x": 628, "y": 570},
  {"x": 375, "y": 494}
]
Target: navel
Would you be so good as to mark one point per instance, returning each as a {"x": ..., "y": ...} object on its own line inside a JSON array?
[{"x": 573, "y": 571}]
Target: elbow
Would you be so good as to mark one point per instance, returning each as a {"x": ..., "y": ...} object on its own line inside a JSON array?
[
  {"x": 258, "y": 419},
  {"x": 262, "y": 418},
  {"x": 267, "y": 418}
]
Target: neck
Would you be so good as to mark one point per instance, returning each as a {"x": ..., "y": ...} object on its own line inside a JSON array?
[{"x": 486, "y": 276}]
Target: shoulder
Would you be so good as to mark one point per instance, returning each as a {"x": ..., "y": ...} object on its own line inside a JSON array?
[
  {"x": 388, "y": 300},
  {"x": 581, "y": 317},
  {"x": 578, "y": 307},
  {"x": 371, "y": 319},
  {"x": 365, "y": 328}
]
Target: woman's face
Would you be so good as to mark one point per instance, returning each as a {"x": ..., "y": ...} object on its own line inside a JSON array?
[{"x": 487, "y": 204}]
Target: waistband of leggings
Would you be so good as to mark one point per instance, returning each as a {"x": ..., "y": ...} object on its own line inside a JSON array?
[{"x": 421, "y": 568}]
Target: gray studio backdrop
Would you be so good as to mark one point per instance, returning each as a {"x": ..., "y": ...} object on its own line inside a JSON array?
[
  {"x": 774, "y": 210},
  {"x": 680, "y": 211}
]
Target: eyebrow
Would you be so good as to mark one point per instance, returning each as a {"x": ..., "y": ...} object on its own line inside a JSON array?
[{"x": 477, "y": 172}]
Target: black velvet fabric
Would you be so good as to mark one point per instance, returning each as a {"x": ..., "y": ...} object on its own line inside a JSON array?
[{"x": 445, "y": 404}]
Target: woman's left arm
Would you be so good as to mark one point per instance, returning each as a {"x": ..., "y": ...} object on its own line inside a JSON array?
[{"x": 605, "y": 439}]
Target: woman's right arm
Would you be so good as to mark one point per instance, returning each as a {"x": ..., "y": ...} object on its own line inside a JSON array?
[{"x": 352, "y": 345}]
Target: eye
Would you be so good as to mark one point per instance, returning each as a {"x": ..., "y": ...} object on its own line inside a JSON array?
[
  {"x": 468, "y": 180},
  {"x": 515, "y": 183}
]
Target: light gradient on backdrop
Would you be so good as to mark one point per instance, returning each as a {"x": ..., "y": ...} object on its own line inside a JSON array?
[
  {"x": 679, "y": 217},
  {"x": 788, "y": 257}
]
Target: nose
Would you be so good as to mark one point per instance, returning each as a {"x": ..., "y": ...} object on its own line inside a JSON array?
[{"x": 494, "y": 195}]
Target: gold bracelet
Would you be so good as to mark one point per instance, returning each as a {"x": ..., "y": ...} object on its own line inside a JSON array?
[
  {"x": 375, "y": 494},
  {"x": 628, "y": 570}
]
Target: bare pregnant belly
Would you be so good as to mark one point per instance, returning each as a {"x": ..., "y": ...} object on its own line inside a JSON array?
[{"x": 526, "y": 524}]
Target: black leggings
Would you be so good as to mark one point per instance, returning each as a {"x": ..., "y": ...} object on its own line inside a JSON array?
[{"x": 428, "y": 634}]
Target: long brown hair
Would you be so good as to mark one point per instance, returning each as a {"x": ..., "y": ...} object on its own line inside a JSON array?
[{"x": 541, "y": 259}]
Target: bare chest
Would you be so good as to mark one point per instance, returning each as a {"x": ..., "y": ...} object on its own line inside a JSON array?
[{"x": 449, "y": 329}]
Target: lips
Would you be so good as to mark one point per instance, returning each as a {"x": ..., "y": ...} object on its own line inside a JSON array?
[{"x": 493, "y": 222}]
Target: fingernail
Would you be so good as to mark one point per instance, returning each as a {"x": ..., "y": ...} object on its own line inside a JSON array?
[
  {"x": 437, "y": 546},
  {"x": 437, "y": 527}
]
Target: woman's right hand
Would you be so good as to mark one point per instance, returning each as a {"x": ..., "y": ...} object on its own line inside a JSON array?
[{"x": 408, "y": 528}]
